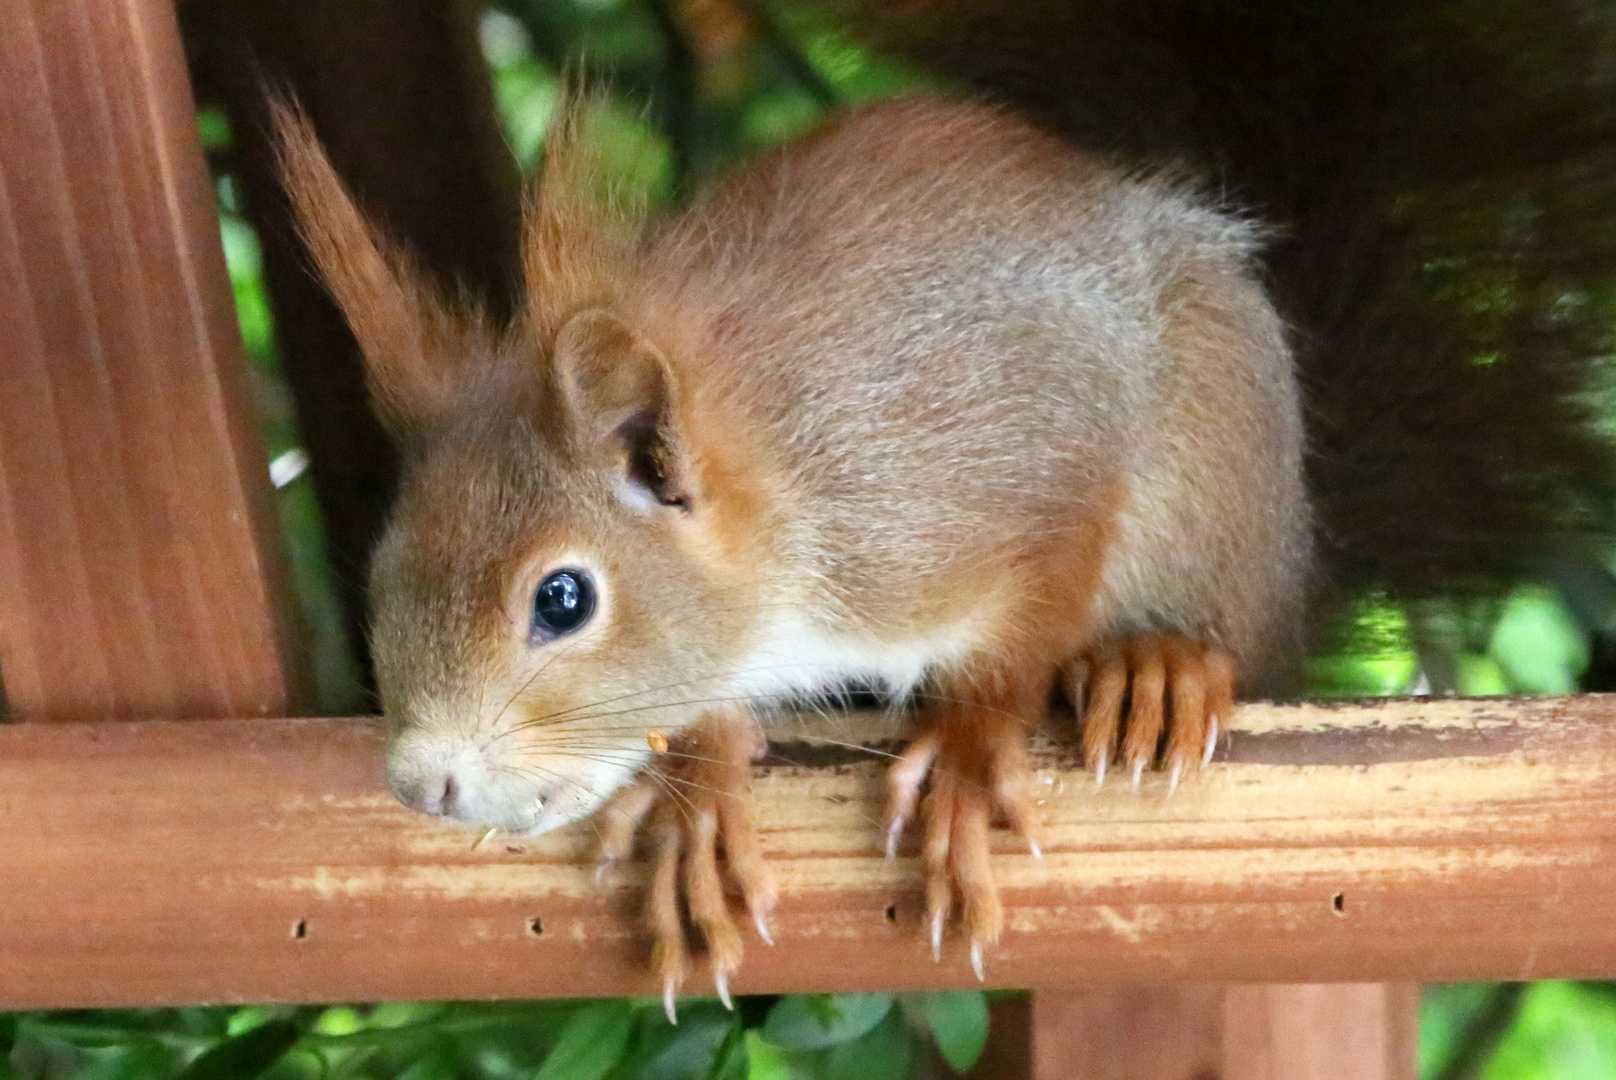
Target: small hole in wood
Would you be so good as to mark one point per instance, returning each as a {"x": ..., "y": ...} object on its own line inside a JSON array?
[
  {"x": 1338, "y": 903},
  {"x": 300, "y": 930},
  {"x": 535, "y": 927},
  {"x": 892, "y": 913}
]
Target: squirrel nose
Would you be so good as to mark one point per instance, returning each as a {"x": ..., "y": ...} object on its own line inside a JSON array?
[{"x": 433, "y": 794}]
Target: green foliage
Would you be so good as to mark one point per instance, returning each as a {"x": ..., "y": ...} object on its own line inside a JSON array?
[
  {"x": 1565, "y": 1031},
  {"x": 815, "y": 1021},
  {"x": 806, "y": 1037},
  {"x": 591, "y": 1043},
  {"x": 957, "y": 1020},
  {"x": 239, "y": 1057}
]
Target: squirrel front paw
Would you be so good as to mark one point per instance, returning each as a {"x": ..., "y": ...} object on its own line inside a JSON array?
[
  {"x": 975, "y": 765},
  {"x": 1128, "y": 693},
  {"x": 695, "y": 795}
]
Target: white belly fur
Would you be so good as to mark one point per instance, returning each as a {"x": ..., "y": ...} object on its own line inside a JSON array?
[{"x": 796, "y": 656}]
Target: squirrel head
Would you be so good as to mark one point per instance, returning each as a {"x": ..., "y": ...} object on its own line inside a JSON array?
[{"x": 559, "y": 576}]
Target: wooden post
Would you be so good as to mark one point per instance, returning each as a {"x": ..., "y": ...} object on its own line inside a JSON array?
[
  {"x": 139, "y": 571},
  {"x": 1346, "y": 1031},
  {"x": 1130, "y": 1033},
  {"x": 1363, "y": 1031}
]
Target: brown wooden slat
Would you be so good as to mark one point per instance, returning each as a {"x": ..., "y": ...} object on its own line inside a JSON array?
[
  {"x": 1340, "y": 1032},
  {"x": 1129, "y": 1033},
  {"x": 1420, "y": 841},
  {"x": 139, "y": 575}
]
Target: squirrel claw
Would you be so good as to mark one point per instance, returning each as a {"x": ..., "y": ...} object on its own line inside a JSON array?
[
  {"x": 976, "y": 756},
  {"x": 721, "y": 984},
  {"x": 714, "y": 768},
  {"x": 669, "y": 1008},
  {"x": 760, "y": 918},
  {"x": 976, "y": 961},
  {"x": 1161, "y": 692}
]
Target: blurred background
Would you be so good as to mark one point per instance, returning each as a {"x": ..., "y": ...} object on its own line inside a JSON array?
[{"x": 1441, "y": 183}]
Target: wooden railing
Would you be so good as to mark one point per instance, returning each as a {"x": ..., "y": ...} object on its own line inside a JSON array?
[{"x": 266, "y": 861}]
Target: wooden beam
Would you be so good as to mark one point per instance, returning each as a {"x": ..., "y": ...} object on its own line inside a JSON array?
[
  {"x": 140, "y": 574},
  {"x": 243, "y": 861}
]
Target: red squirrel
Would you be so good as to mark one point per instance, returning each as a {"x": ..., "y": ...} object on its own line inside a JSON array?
[{"x": 926, "y": 398}]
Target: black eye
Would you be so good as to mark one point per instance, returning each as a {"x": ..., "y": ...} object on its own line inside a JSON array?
[{"x": 561, "y": 604}]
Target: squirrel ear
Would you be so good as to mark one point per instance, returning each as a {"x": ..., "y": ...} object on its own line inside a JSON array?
[
  {"x": 617, "y": 386},
  {"x": 415, "y": 347}
]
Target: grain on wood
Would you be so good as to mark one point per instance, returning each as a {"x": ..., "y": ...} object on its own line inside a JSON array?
[
  {"x": 1460, "y": 840},
  {"x": 1339, "y": 1032},
  {"x": 139, "y": 572}
]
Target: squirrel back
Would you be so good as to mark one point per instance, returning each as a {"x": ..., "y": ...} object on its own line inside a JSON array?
[
  {"x": 1444, "y": 225},
  {"x": 963, "y": 336}
]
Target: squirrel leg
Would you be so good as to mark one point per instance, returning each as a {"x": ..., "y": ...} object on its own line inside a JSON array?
[
  {"x": 973, "y": 755},
  {"x": 696, "y": 797},
  {"x": 1156, "y": 696}
]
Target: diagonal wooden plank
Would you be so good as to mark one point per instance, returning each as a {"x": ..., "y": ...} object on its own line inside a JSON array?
[
  {"x": 139, "y": 572},
  {"x": 264, "y": 860}
]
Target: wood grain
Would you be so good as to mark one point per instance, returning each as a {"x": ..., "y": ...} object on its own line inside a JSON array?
[
  {"x": 264, "y": 860},
  {"x": 1195, "y": 1031},
  {"x": 138, "y": 572},
  {"x": 1131, "y": 1033},
  {"x": 1340, "y": 1032}
]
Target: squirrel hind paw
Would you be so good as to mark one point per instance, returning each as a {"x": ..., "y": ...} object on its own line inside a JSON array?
[{"x": 1158, "y": 699}]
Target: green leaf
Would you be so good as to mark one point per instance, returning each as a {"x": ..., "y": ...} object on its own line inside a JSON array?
[
  {"x": 436, "y": 1067},
  {"x": 36, "y": 1056},
  {"x": 732, "y": 1062},
  {"x": 1564, "y": 1030},
  {"x": 8, "y": 1032},
  {"x": 591, "y": 1042},
  {"x": 959, "y": 1022},
  {"x": 686, "y": 1052},
  {"x": 142, "y": 1059},
  {"x": 766, "y": 1062},
  {"x": 244, "y": 1056},
  {"x": 885, "y": 1052},
  {"x": 815, "y": 1021}
]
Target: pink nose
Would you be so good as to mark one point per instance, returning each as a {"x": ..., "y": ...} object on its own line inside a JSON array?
[{"x": 432, "y": 795}]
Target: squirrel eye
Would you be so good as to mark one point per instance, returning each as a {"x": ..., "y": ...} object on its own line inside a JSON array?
[{"x": 561, "y": 604}]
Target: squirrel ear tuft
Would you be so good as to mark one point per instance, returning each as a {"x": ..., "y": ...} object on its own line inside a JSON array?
[
  {"x": 580, "y": 229},
  {"x": 617, "y": 386},
  {"x": 415, "y": 346}
]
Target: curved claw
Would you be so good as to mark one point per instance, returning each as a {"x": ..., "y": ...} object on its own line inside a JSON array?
[
  {"x": 760, "y": 919},
  {"x": 1152, "y": 699},
  {"x": 669, "y": 1009},
  {"x": 721, "y": 983}
]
